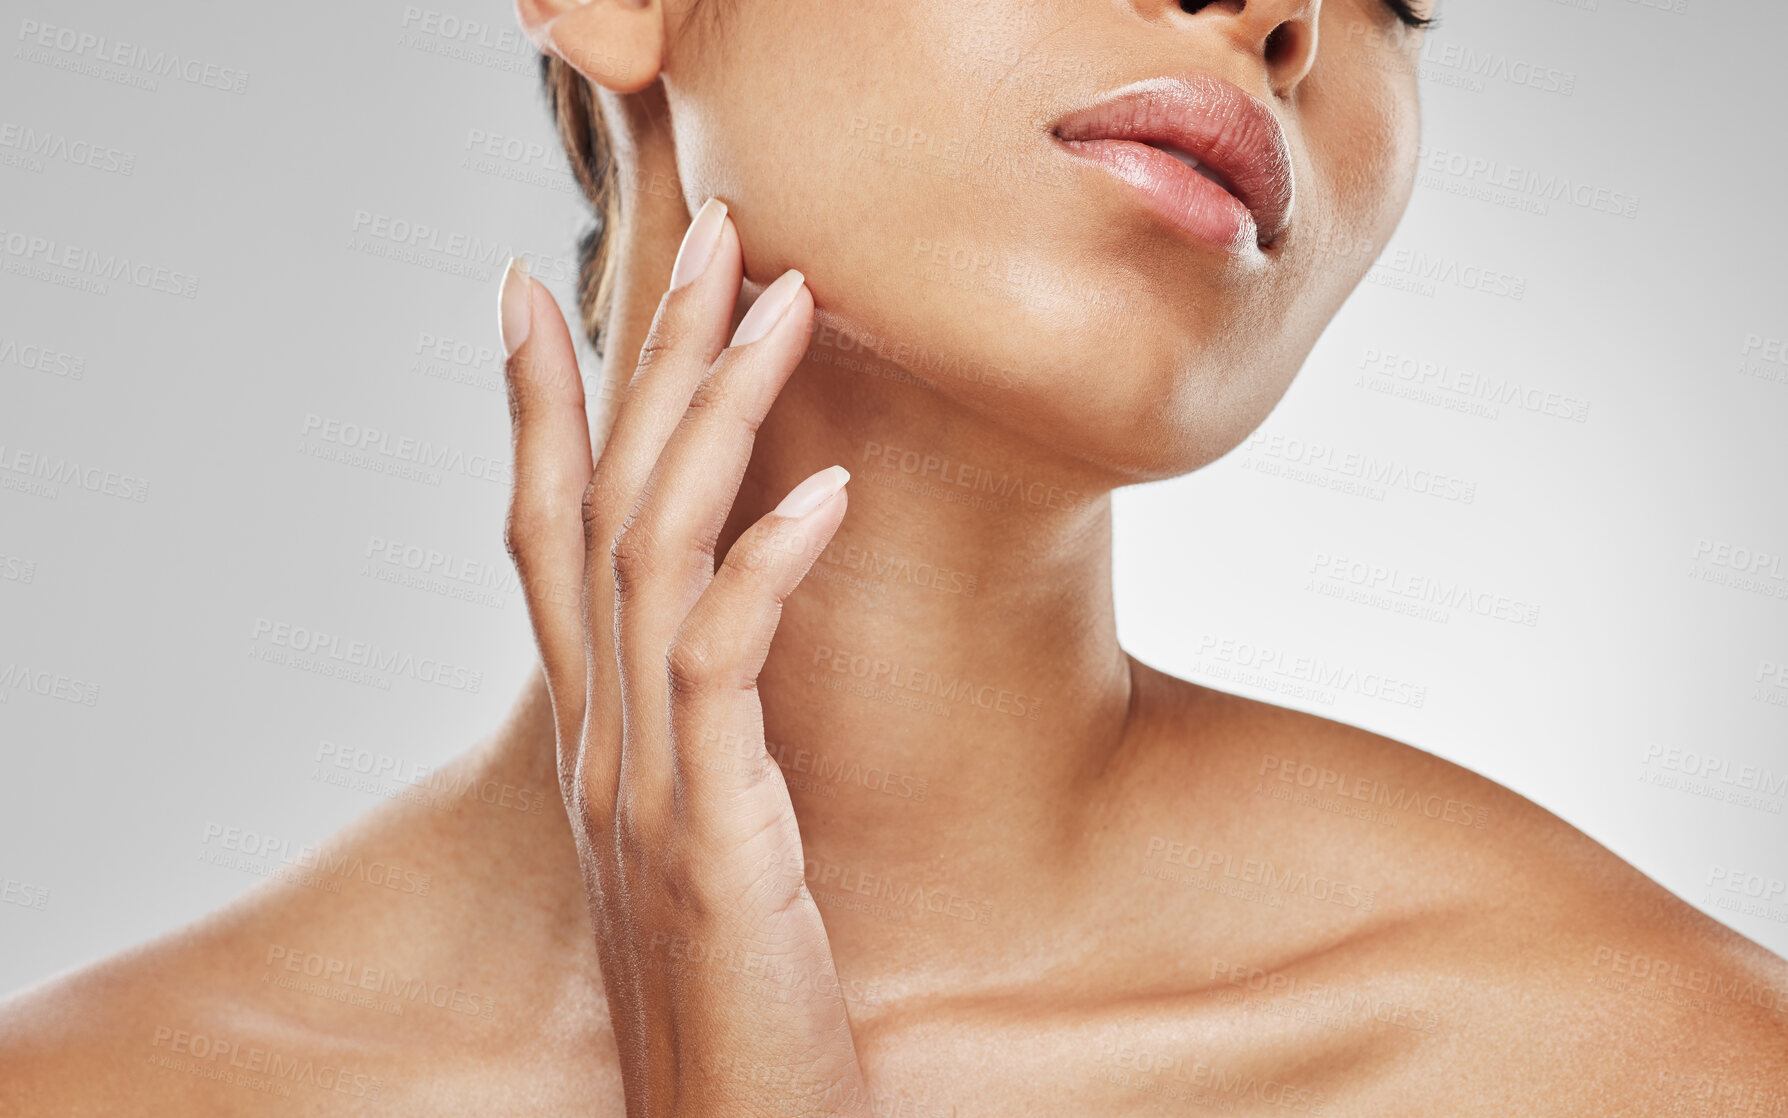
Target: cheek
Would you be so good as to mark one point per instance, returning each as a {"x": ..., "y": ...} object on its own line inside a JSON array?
[
  {"x": 1362, "y": 126},
  {"x": 835, "y": 131}
]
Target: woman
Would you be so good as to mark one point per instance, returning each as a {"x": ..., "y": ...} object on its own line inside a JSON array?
[{"x": 994, "y": 260}]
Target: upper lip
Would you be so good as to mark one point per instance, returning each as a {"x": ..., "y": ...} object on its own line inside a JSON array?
[{"x": 1215, "y": 122}]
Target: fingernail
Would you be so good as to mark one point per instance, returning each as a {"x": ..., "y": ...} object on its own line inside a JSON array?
[
  {"x": 813, "y": 492},
  {"x": 769, "y": 308},
  {"x": 699, "y": 243},
  {"x": 515, "y": 315}
]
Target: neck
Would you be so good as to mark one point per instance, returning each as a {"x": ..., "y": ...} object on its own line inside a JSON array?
[
  {"x": 950, "y": 666},
  {"x": 949, "y": 670}
]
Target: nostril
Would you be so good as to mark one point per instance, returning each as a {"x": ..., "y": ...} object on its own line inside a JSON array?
[
  {"x": 1280, "y": 43},
  {"x": 1193, "y": 7}
]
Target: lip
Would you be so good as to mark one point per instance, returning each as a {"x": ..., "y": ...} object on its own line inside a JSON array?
[{"x": 1223, "y": 128}]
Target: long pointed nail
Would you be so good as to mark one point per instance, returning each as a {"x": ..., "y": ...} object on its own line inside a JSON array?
[
  {"x": 769, "y": 308},
  {"x": 813, "y": 492},
  {"x": 515, "y": 312},
  {"x": 699, "y": 243}
]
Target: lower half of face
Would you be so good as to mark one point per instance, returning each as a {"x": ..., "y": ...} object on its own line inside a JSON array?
[{"x": 972, "y": 193}]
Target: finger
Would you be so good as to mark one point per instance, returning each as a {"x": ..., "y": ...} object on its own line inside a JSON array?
[
  {"x": 544, "y": 531},
  {"x": 712, "y": 667},
  {"x": 677, "y": 523},
  {"x": 688, "y": 332},
  {"x": 664, "y": 555}
]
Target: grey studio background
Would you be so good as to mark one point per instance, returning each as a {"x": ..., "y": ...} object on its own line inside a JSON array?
[{"x": 1582, "y": 327}]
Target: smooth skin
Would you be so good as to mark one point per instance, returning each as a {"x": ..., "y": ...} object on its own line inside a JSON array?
[{"x": 1077, "y": 886}]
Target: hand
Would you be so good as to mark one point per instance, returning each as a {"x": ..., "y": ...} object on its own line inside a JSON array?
[{"x": 720, "y": 981}]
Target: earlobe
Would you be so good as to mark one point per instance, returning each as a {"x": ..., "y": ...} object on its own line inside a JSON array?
[{"x": 616, "y": 44}]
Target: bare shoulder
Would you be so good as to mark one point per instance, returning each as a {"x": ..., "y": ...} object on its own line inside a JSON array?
[
  {"x": 1516, "y": 952},
  {"x": 147, "y": 1031},
  {"x": 341, "y": 991},
  {"x": 266, "y": 1009}
]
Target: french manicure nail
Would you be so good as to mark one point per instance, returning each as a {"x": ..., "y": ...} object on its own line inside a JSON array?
[
  {"x": 699, "y": 243},
  {"x": 813, "y": 492},
  {"x": 515, "y": 315},
  {"x": 769, "y": 308}
]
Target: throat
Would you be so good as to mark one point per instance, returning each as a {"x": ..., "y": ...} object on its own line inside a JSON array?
[{"x": 949, "y": 668}]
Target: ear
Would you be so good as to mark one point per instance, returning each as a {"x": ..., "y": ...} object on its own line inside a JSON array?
[{"x": 617, "y": 44}]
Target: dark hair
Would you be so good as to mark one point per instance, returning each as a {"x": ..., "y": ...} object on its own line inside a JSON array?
[{"x": 581, "y": 130}]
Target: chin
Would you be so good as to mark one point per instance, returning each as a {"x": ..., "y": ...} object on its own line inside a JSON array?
[{"x": 1135, "y": 406}]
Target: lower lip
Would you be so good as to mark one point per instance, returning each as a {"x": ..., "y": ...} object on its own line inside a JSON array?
[{"x": 1175, "y": 192}]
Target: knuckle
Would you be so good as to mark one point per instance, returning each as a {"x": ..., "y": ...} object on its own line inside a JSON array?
[
  {"x": 713, "y": 392},
  {"x": 642, "y": 830},
  {"x": 528, "y": 523},
  {"x": 592, "y": 502},
  {"x": 518, "y": 536},
  {"x": 598, "y": 502},
  {"x": 660, "y": 345},
  {"x": 630, "y": 555},
  {"x": 602, "y": 529},
  {"x": 634, "y": 826},
  {"x": 723, "y": 394},
  {"x": 753, "y": 556},
  {"x": 690, "y": 665}
]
